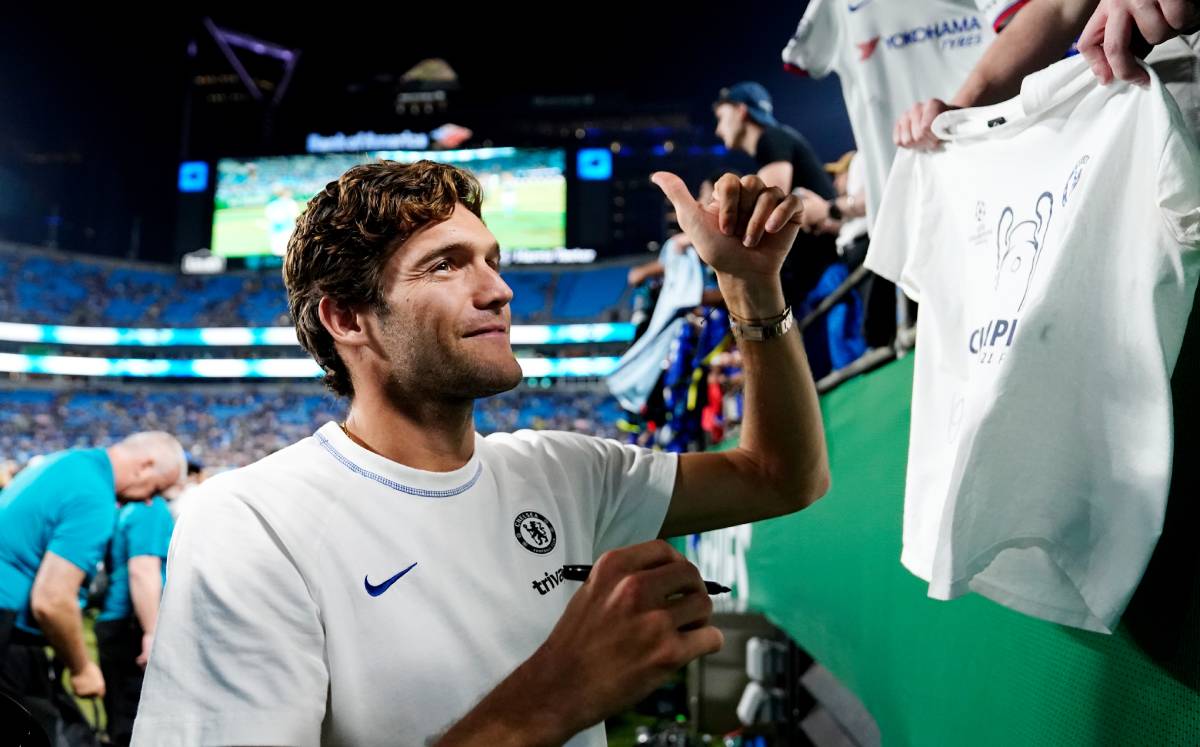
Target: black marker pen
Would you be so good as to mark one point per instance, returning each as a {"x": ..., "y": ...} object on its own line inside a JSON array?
[{"x": 580, "y": 573}]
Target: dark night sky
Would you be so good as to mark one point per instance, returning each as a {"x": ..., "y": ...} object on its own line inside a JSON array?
[{"x": 91, "y": 102}]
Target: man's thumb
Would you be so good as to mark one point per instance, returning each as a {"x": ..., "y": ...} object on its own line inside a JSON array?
[{"x": 677, "y": 192}]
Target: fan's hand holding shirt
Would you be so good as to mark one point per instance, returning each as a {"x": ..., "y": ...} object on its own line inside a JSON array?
[
  {"x": 1051, "y": 243},
  {"x": 889, "y": 55}
]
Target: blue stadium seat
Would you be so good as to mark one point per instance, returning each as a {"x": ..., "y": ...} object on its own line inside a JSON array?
[
  {"x": 45, "y": 288},
  {"x": 531, "y": 293},
  {"x": 232, "y": 427},
  {"x": 587, "y": 295}
]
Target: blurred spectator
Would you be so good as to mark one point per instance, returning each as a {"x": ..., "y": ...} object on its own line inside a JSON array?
[
  {"x": 785, "y": 160},
  {"x": 845, "y": 216},
  {"x": 1110, "y": 34},
  {"x": 8, "y": 470},
  {"x": 179, "y": 497},
  {"x": 56, "y": 519},
  {"x": 137, "y": 567}
]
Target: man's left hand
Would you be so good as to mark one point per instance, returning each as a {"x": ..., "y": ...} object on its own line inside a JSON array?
[
  {"x": 745, "y": 232},
  {"x": 816, "y": 210},
  {"x": 1106, "y": 41}
]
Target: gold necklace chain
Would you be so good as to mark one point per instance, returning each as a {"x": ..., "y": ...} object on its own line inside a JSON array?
[{"x": 355, "y": 438}]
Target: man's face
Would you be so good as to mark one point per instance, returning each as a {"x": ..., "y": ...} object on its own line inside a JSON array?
[
  {"x": 731, "y": 124},
  {"x": 445, "y": 332}
]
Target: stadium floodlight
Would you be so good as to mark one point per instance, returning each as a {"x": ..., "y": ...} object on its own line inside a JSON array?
[{"x": 226, "y": 40}]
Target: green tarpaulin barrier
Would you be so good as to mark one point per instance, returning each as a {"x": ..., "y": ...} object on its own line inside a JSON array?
[{"x": 968, "y": 671}]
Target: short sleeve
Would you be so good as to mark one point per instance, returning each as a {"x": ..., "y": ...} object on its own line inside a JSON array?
[
  {"x": 149, "y": 529},
  {"x": 813, "y": 49},
  {"x": 774, "y": 145},
  {"x": 896, "y": 238},
  {"x": 1179, "y": 185},
  {"x": 85, "y": 525},
  {"x": 238, "y": 655},
  {"x": 629, "y": 487},
  {"x": 999, "y": 13}
]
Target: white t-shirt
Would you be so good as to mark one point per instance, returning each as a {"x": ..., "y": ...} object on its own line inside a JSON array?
[
  {"x": 1177, "y": 62},
  {"x": 889, "y": 55},
  {"x": 1053, "y": 255},
  {"x": 327, "y": 595}
]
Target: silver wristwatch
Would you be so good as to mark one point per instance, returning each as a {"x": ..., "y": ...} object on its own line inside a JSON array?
[{"x": 758, "y": 330}]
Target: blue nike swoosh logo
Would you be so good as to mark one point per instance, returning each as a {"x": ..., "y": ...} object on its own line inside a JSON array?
[
  {"x": 377, "y": 590},
  {"x": 855, "y": 6}
]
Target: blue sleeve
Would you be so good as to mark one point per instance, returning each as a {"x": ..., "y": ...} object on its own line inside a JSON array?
[
  {"x": 149, "y": 530},
  {"x": 85, "y": 524}
]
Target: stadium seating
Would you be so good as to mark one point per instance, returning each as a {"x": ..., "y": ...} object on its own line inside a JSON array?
[
  {"x": 40, "y": 287},
  {"x": 532, "y": 291},
  {"x": 589, "y": 294},
  {"x": 231, "y": 427}
]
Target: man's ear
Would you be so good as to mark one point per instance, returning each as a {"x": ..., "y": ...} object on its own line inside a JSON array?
[
  {"x": 343, "y": 322},
  {"x": 145, "y": 467}
]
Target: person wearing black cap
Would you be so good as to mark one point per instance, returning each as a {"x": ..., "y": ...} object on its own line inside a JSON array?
[{"x": 746, "y": 122}]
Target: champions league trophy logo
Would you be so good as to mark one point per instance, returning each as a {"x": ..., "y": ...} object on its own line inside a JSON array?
[{"x": 1018, "y": 247}]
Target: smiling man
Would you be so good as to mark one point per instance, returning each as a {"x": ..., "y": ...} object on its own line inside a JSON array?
[{"x": 397, "y": 578}]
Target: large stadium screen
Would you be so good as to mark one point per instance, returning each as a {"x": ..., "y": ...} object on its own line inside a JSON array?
[{"x": 257, "y": 201}]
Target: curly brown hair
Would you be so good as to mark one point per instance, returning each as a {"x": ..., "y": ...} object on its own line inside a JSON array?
[{"x": 348, "y": 232}]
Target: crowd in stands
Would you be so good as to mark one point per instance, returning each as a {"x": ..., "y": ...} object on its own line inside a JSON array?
[
  {"x": 40, "y": 287},
  {"x": 592, "y": 412},
  {"x": 227, "y": 428},
  {"x": 45, "y": 288}
]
